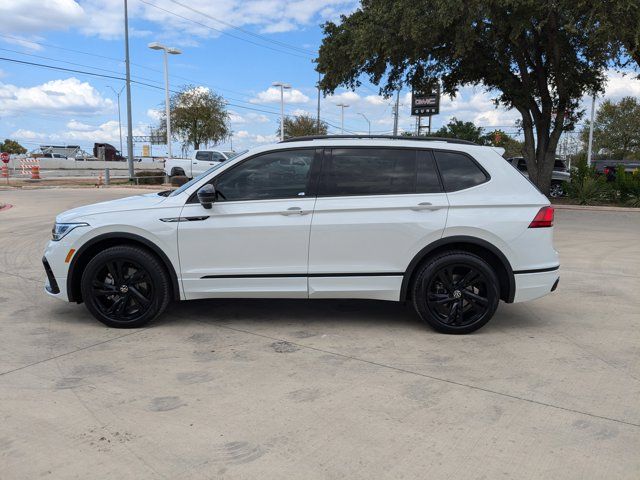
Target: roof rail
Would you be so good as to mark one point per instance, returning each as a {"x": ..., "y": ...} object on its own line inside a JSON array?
[{"x": 383, "y": 137}]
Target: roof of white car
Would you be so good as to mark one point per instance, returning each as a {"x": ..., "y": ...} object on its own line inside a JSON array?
[{"x": 375, "y": 140}]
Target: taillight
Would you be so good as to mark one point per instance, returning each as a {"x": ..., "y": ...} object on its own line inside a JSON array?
[
  {"x": 543, "y": 219},
  {"x": 607, "y": 170}
]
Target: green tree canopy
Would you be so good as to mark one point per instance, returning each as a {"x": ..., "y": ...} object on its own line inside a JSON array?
[
  {"x": 462, "y": 130},
  {"x": 198, "y": 116},
  {"x": 616, "y": 129},
  {"x": 537, "y": 56},
  {"x": 13, "y": 147},
  {"x": 302, "y": 125},
  {"x": 498, "y": 138}
]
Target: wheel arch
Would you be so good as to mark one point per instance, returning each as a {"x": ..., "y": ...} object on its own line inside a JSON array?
[
  {"x": 106, "y": 240},
  {"x": 487, "y": 251}
]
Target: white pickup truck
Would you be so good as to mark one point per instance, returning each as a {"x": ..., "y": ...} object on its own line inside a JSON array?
[{"x": 201, "y": 161}]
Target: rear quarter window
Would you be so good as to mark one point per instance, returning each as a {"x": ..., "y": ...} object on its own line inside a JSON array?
[{"x": 459, "y": 171}]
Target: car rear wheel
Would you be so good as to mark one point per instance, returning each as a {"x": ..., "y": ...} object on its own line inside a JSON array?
[
  {"x": 125, "y": 287},
  {"x": 556, "y": 190},
  {"x": 456, "y": 292}
]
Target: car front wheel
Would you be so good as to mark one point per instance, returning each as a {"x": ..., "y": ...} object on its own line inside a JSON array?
[
  {"x": 456, "y": 292},
  {"x": 125, "y": 287},
  {"x": 556, "y": 190}
]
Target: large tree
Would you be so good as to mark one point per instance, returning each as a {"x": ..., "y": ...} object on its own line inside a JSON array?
[
  {"x": 302, "y": 125},
  {"x": 198, "y": 116},
  {"x": 537, "y": 56},
  {"x": 616, "y": 128},
  {"x": 460, "y": 129},
  {"x": 11, "y": 146}
]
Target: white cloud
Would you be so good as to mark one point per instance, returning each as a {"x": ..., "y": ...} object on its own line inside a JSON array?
[
  {"x": 104, "y": 18},
  {"x": 621, "y": 85},
  {"x": 154, "y": 114},
  {"x": 78, "y": 132},
  {"x": 272, "y": 95},
  {"x": 79, "y": 126},
  {"x": 251, "y": 117},
  {"x": 67, "y": 97}
]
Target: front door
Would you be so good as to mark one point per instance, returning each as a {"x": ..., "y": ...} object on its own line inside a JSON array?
[
  {"x": 254, "y": 240},
  {"x": 376, "y": 209}
]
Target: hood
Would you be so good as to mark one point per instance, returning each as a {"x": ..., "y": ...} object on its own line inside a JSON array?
[{"x": 137, "y": 202}]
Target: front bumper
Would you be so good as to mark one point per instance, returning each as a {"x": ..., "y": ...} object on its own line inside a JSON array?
[
  {"x": 530, "y": 286},
  {"x": 56, "y": 268}
]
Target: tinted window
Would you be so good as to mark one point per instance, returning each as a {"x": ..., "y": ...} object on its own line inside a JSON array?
[
  {"x": 428, "y": 181},
  {"x": 273, "y": 175},
  {"x": 204, "y": 156},
  {"x": 368, "y": 171},
  {"x": 458, "y": 171},
  {"x": 217, "y": 157}
]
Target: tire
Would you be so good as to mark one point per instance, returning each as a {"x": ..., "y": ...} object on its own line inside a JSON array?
[
  {"x": 556, "y": 190},
  {"x": 125, "y": 287},
  {"x": 455, "y": 292}
]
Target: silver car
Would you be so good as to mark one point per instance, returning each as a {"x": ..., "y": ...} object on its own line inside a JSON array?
[{"x": 559, "y": 178}]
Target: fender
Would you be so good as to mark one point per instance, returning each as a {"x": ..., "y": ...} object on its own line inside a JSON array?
[
  {"x": 457, "y": 239},
  {"x": 122, "y": 236}
]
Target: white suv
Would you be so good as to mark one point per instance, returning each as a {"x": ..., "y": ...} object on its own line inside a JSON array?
[{"x": 444, "y": 224}]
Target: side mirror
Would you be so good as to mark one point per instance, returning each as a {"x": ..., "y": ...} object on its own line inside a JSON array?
[{"x": 207, "y": 195}]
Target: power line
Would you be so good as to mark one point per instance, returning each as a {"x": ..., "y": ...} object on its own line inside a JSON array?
[
  {"x": 247, "y": 32},
  {"x": 223, "y": 32}
]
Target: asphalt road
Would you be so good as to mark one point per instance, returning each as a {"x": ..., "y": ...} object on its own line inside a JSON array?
[{"x": 326, "y": 389}]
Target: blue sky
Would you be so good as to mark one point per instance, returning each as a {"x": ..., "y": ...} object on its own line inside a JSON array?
[{"x": 40, "y": 106}]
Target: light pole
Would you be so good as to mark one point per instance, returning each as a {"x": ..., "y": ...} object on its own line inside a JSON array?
[
  {"x": 363, "y": 116},
  {"x": 167, "y": 51},
  {"x": 128, "y": 84},
  {"x": 119, "y": 120},
  {"x": 342, "y": 107},
  {"x": 590, "y": 146},
  {"x": 282, "y": 86}
]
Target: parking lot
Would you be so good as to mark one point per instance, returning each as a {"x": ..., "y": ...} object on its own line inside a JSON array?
[{"x": 323, "y": 389}]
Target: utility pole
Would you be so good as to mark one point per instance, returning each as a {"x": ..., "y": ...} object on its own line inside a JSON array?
[
  {"x": 119, "y": 119},
  {"x": 342, "y": 107},
  {"x": 395, "y": 114},
  {"x": 363, "y": 116},
  {"x": 590, "y": 147},
  {"x": 128, "y": 85},
  {"x": 318, "y": 118},
  {"x": 282, "y": 86},
  {"x": 167, "y": 104}
]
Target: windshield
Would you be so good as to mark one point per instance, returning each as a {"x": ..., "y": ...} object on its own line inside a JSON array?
[{"x": 196, "y": 179}]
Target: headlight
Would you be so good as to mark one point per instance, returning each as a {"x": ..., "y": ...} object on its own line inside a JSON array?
[{"x": 59, "y": 230}]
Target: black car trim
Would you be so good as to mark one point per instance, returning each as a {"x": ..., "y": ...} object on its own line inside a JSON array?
[
  {"x": 308, "y": 275},
  {"x": 537, "y": 270}
]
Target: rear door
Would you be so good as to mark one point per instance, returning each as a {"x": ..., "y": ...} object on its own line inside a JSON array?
[
  {"x": 203, "y": 161},
  {"x": 376, "y": 208}
]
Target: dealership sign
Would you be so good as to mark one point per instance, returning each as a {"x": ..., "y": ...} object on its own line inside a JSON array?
[{"x": 425, "y": 104}]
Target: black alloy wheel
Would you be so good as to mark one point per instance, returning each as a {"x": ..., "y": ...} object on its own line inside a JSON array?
[
  {"x": 457, "y": 292},
  {"x": 125, "y": 286}
]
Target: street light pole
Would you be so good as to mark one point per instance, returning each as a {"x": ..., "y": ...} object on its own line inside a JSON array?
[
  {"x": 363, "y": 116},
  {"x": 173, "y": 51},
  {"x": 590, "y": 147},
  {"x": 128, "y": 85},
  {"x": 342, "y": 107},
  {"x": 282, "y": 86},
  {"x": 119, "y": 119}
]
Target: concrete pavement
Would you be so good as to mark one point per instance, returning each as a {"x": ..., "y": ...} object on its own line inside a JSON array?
[{"x": 326, "y": 389}]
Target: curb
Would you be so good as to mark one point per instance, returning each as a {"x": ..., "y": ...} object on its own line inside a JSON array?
[{"x": 595, "y": 208}]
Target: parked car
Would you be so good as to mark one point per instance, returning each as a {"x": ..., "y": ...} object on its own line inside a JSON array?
[
  {"x": 608, "y": 168},
  {"x": 445, "y": 225},
  {"x": 559, "y": 178},
  {"x": 201, "y": 161}
]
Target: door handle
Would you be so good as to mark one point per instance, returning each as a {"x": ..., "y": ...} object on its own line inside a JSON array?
[
  {"x": 293, "y": 211},
  {"x": 426, "y": 206}
]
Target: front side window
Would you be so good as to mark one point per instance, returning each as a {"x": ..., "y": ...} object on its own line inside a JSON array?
[
  {"x": 458, "y": 171},
  {"x": 203, "y": 156},
  {"x": 280, "y": 174},
  {"x": 368, "y": 171}
]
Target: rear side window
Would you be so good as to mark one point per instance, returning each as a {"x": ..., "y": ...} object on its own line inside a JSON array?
[
  {"x": 368, "y": 171},
  {"x": 458, "y": 171}
]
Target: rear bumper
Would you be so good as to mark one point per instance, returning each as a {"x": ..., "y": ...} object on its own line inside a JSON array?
[{"x": 536, "y": 284}]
